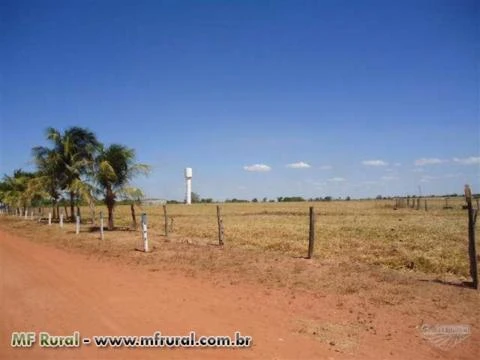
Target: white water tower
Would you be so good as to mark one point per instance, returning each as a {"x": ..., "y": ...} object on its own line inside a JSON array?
[{"x": 188, "y": 183}]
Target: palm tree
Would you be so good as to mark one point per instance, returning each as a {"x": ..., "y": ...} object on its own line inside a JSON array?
[
  {"x": 114, "y": 168},
  {"x": 69, "y": 158},
  {"x": 15, "y": 189},
  {"x": 50, "y": 174}
]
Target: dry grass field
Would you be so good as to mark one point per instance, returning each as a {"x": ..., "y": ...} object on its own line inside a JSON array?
[{"x": 371, "y": 232}]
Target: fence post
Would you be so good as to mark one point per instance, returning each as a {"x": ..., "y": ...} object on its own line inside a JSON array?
[
  {"x": 221, "y": 233},
  {"x": 61, "y": 220},
  {"x": 26, "y": 213},
  {"x": 165, "y": 219},
  {"x": 426, "y": 208},
  {"x": 144, "y": 232},
  {"x": 101, "y": 225},
  {"x": 77, "y": 227},
  {"x": 311, "y": 234},
  {"x": 418, "y": 203},
  {"x": 49, "y": 218},
  {"x": 472, "y": 219}
]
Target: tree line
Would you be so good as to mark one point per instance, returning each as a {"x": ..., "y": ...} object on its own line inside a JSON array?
[{"x": 76, "y": 167}]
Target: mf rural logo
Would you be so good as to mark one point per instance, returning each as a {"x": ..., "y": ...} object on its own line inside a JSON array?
[{"x": 445, "y": 337}]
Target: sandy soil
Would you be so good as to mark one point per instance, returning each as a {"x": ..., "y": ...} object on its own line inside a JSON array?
[{"x": 48, "y": 289}]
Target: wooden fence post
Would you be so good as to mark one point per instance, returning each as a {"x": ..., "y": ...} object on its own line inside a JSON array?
[
  {"x": 101, "y": 226},
  {"x": 61, "y": 220},
  {"x": 426, "y": 207},
  {"x": 144, "y": 232},
  {"x": 472, "y": 219},
  {"x": 165, "y": 220},
  {"x": 221, "y": 234},
  {"x": 311, "y": 234},
  {"x": 49, "y": 218},
  {"x": 418, "y": 203}
]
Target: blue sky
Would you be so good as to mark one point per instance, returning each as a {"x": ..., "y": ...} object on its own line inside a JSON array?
[{"x": 359, "y": 97}]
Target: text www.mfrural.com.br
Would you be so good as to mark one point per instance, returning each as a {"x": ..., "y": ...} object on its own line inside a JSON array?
[{"x": 46, "y": 340}]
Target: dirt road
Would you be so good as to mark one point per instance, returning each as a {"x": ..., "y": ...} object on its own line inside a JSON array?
[{"x": 48, "y": 289}]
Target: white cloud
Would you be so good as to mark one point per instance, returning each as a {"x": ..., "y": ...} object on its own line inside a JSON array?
[
  {"x": 389, "y": 178},
  {"x": 370, "y": 182},
  {"x": 299, "y": 165},
  {"x": 257, "y": 168},
  {"x": 428, "y": 178},
  {"x": 449, "y": 176},
  {"x": 472, "y": 160},
  {"x": 337, "y": 179},
  {"x": 429, "y": 161},
  {"x": 325, "y": 167},
  {"x": 374, "y": 163},
  {"x": 397, "y": 164}
]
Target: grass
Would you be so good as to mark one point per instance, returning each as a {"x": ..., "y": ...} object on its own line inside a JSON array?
[
  {"x": 368, "y": 232},
  {"x": 355, "y": 232}
]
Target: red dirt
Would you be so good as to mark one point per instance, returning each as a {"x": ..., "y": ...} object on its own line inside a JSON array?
[{"x": 48, "y": 289}]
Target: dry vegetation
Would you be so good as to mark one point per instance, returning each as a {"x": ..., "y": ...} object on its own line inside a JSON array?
[{"x": 368, "y": 232}]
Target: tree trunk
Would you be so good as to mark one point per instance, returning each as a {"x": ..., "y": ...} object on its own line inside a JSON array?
[
  {"x": 134, "y": 220},
  {"x": 58, "y": 211},
  {"x": 92, "y": 211},
  {"x": 72, "y": 206},
  {"x": 110, "y": 216}
]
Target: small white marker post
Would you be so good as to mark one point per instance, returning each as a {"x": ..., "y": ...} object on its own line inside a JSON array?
[
  {"x": 77, "y": 228},
  {"x": 144, "y": 232},
  {"x": 49, "y": 218},
  {"x": 101, "y": 225},
  {"x": 26, "y": 213},
  {"x": 31, "y": 215},
  {"x": 61, "y": 220}
]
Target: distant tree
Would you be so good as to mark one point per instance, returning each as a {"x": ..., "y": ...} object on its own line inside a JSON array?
[
  {"x": 264, "y": 199},
  {"x": 327, "y": 198},
  {"x": 280, "y": 199},
  {"x": 379, "y": 197},
  {"x": 255, "y": 200},
  {"x": 195, "y": 198},
  {"x": 348, "y": 198}
]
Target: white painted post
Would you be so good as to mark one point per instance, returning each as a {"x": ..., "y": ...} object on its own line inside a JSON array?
[
  {"x": 77, "y": 229},
  {"x": 26, "y": 213},
  {"x": 101, "y": 225},
  {"x": 31, "y": 215},
  {"x": 144, "y": 232},
  {"x": 49, "y": 218},
  {"x": 61, "y": 220}
]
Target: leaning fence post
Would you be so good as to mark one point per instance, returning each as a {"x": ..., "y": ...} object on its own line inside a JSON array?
[
  {"x": 144, "y": 232},
  {"x": 472, "y": 219},
  {"x": 49, "y": 218},
  {"x": 311, "y": 234},
  {"x": 77, "y": 227},
  {"x": 101, "y": 225},
  {"x": 165, "y": 219},
  {"x": 221, "y": 233}
]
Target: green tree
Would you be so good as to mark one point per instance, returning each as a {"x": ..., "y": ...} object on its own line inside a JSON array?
[
  {"x": 71, "y": 155},
  {"x": 195, "y": 198},
  {"x": 115, "y": 167}
]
